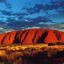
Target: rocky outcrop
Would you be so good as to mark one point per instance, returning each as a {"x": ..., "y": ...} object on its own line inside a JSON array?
[{"x": 32, "y": 36}]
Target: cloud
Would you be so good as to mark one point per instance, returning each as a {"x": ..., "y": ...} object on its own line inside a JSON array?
[
  {"x": 34, "y": 27},
  {"x": 6, "y": 12},
  {"x": 58, "y": 2},
  {"x": 8, "y": 5},
  {"x": 22, "y": 24},
  {"x": 2, "y": 24},
  {"x": 11, "y": 14},
  {"x": 42, "y": 19},
  {"x": 61, "y": 12},
  {"x": 17, "y": 20},
  {"x": 19, "y": 14},
  {"x": 16, "y": 24},
  {"x": 36, "y": 9},
  {"x": 53, "y": 5},
  {"x": 3, "y": 30}
]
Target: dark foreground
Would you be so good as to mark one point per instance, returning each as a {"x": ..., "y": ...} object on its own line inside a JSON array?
[{"x": 32, "y": 54}]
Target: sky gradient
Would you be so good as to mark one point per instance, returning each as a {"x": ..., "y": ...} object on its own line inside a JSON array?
[{"x": 24, "y": 14}]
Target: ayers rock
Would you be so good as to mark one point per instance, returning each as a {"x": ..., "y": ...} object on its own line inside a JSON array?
[{"x": 32, "y": 36}]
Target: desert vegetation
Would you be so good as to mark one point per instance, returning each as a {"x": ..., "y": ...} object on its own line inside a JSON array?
[{"x": 31, "y": 54}]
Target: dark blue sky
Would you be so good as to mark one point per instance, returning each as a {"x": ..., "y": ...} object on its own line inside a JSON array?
[{"x": 23, "y": 14}]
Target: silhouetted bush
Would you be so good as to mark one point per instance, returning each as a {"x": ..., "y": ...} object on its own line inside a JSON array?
[{"x": 51, "y": 44}]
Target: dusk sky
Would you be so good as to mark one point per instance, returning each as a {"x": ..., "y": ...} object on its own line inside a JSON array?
[{"x": 23, "y": 14}]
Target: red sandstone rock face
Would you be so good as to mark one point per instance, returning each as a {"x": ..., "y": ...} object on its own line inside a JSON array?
[{"x": 32, "y": 36}]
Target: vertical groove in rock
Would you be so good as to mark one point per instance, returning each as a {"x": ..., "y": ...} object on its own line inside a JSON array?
[
  {"x": 21, "y": 35},
  {"x": 4, "y": 38},
  {"x": 16, "y": 39},
  {"x": 57, "y": 35},
  {"x": 42, "y": 38},
  {"x": 25, "y": 36},
  {"x": 34, "y": 37}
]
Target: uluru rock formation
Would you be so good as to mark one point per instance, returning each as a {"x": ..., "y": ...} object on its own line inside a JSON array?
[{"x": 32, "y": 36}]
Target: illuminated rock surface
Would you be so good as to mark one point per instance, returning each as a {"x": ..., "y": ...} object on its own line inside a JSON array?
[{"x": 32, "y": 36}]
